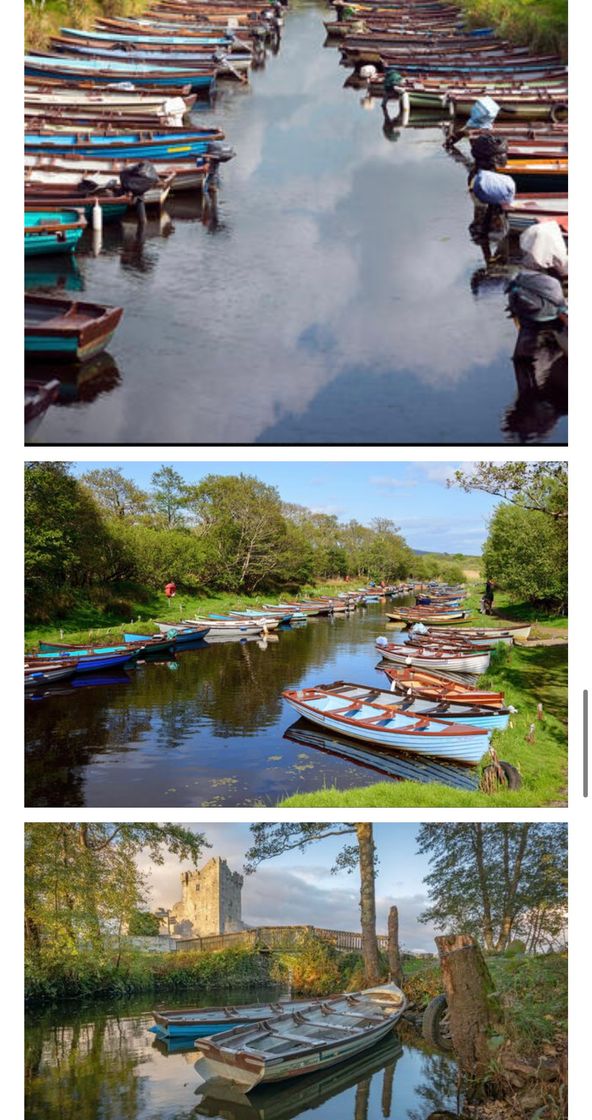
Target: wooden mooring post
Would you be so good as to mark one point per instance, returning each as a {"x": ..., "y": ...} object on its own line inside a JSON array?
[
  {"x": 474, "y": 1013},
  {"x": 394, "y": 954}
]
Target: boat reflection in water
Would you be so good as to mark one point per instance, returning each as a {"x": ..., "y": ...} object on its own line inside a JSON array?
[
  {"x": 541, "y": 368},
  {"x": 54, "y": 274},
  {"x": 100, "y": 1060},
  {"x": 81, "y": 383},
  {"x": 224, "y": 1100},
  {"x": 401, "y": 766}
]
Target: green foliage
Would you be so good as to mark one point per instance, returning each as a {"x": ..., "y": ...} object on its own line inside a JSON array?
[
  {"x": 88, "y": 537},
  {"x": 143, "y": 924},
  {"x": 497, "y": 881},
  {"x": 526, "y": 553},
  {"x": 82, "y": 887},
  {"x": 314, "y": 967},
  {"x": 65, "y": 538},
  {"x": 130, "y": 970},
  {"x": 532, "y": 991},
  {"x": 541, "y": 24}
]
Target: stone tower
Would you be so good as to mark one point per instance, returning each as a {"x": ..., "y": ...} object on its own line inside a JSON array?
[{"x": 210, "y": 902}]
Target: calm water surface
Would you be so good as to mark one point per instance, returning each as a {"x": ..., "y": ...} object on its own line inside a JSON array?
[
  {"x": 211, "y": 727},
  {"x": 335, "y": 296},
  {"x": 100, "y": 1062}
]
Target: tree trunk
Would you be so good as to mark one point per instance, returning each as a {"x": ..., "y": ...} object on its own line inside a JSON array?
[
  {"x": 368, "y": 904},
  {"x": 473, "y": 1010},
  {"x": 481, "y": 871},
  {"x": 512, "y": 882},
  {"x": 394, "y": 955}
]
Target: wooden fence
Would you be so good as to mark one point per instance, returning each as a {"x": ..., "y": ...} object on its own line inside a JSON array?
[{"x": 277, "y": 939}]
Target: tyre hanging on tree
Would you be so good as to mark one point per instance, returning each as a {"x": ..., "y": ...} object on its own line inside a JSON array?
[{"x": 435, "y": 1027}]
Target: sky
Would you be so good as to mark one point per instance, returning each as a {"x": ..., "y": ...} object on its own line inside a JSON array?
[
  {"x": 298, "y": 888},
  {"x": 414, "y": 495}
]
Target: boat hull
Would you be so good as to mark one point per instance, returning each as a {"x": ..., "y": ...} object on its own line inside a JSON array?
[
  {"x": 208, "y": 1067},
  {"x": 467, "y": 749}
]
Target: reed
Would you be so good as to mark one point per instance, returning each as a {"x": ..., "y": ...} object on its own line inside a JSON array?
[
  {"x": 43, "y": 18},
  {"x": 540, "y": 24}
]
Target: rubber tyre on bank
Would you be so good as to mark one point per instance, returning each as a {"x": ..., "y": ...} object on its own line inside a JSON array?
[
  {"x": 433, "y": 1025},
  {"x": 511, "y": 774}
]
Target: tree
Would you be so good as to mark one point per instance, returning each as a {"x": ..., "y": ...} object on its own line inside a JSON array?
[
  {"x": 526, "y": 553},
  {"x": 271, "y": 840},
  {"x": 246, "y": 536},
  {"x": 115, "y": 494},
  {"x": 169, "y": 497},
  {"x": 143, "y": 924},
  {"x": 532, "y": 486},
  {"x": 65, "y": 538},
  {"x": 496, "y": 881},
  {"x": 82, "y": 883}
]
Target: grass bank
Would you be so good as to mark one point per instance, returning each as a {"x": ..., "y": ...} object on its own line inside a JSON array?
[
  {"x": 527, "y": 676},
  {"x": 540, "y": 24},
  {"x": 111, "y": 973},
  {"x": 532, "y": 991},
  {"x": 106, "y": 614},
  {"x": 313, "y": 969},
  {"x": 44, "y": 18}
]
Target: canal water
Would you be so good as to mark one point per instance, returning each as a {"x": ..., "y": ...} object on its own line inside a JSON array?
[
  {"x": 333, "y": 295},
  {"x": 99, "y": 1061},
  {"x": 211, "y": 728}
]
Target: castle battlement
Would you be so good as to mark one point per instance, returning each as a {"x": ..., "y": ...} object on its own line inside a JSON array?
[{"x": 210, "y": 902}]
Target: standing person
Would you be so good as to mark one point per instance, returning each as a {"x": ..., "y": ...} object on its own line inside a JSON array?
[
  {"x": 488, "y": 596},
  {"x": 170, "y": 590}
]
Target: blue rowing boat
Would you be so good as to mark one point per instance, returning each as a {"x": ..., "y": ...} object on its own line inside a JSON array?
[
  {"x": 88, "y": 661},
  {"x": 196, "y": 60},
  {"x": 198, "y": 1022},
  {"x": 103, "y": 72},
  {"x": 179, "y": 145},
  {"x": 149, "y": 40},
  {"x": 52, "y": 231}
]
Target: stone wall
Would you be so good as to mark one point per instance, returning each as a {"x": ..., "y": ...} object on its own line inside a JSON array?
[{"x": 210, "y": 902}]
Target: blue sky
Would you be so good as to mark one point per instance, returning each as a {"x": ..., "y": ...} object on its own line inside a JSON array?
[
  {"x": 298, "y": 887},
  {"x": 414, "y": 495}
]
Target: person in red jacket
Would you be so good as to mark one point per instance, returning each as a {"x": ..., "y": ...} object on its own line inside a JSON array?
[{"x": 170, "y": 590}]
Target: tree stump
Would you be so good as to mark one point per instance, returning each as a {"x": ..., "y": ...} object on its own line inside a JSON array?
[
  {"x": 394, "y": 954},
  {"x": 473, "y": 1011}
]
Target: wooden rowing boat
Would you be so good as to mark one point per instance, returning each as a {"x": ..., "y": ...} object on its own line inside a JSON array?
[
  {"x": 70, "y": 330},
  {"x": 39, "y": 395},
  {"x": 527, "y": 209},
  {"x": 87, "y": 661},
  {"x": 112, "y": 100},
  {"x": 430, "y": 686},
  {"x": 68, "y": 70},
  {"x": 194, "y": 1022},
  {"x": 301, "y": 1042},
  {"x": 34, "y": 677},
  {"x": 181, "y": 634},
  {"x": 52, "y": 231},
  {"x": 113, "y": 206},
  {"x": 451, "y": 711},
  {"x": 229, "y": 627},
  {"x": 350, "y": 710},
  {"x": 433, "y": 658},
  {"x": 174, "y": 176}
]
